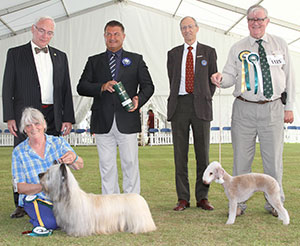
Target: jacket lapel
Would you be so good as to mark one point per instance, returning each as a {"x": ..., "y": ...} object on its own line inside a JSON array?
[{"x": 30, "y": 59}]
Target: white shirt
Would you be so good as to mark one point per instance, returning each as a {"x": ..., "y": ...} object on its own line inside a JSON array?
[
  {"x": 182, "y": 90},
  {"x": 44, "y": 69}
]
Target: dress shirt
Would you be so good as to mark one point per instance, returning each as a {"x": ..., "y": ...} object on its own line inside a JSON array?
[
  {"x": 118, "y": 59},
  {"x": 44, "y": 69},
  {"x": 182, "y": 90},
  {"x": 282, "y": 74}
]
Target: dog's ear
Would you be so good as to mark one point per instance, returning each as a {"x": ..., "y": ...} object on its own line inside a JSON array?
[
  {"x": 219, "y": 175},
  {"x": 64, "y": 173}
]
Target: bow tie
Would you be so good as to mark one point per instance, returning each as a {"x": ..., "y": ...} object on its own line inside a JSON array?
[{"x": 38, "y": 50}]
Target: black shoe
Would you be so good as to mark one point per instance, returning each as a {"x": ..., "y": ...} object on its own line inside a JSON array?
[{"x": 18, "y": 213}]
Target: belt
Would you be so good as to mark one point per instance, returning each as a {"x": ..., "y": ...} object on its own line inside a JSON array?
[
  {"x": 258, "y": 102},
  {"x": 46, "y": 105}
]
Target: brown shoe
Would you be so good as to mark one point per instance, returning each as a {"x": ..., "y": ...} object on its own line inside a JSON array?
[
  {"x": 204, "y": 204},
  {"x": 18, "y": 213},
  {"x": 181, "y": 205}
]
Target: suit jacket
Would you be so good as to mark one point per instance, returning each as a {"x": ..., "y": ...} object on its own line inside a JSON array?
[
  {"x": 136, "y": 80},
  {"x": 206, "y": 65},
  {"x": 21, "y": 87}
]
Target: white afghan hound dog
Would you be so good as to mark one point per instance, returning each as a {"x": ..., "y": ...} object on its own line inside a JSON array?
[
  {"x": 82, "y": 214},
  {"x": 240, "y": 188}
]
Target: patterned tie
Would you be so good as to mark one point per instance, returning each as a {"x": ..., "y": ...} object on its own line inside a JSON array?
[
  {"x": 112, "y": 65},
  {"x": 189, "y": 72},
  {"x": 38, "y": 50},
  {"x": 265, "y": 70}
]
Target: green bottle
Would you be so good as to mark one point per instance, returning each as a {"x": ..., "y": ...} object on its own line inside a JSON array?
[{"x": 125, "y": 99}]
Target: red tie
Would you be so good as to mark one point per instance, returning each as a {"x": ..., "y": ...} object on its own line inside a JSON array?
[{"x": 189, "y": 72}]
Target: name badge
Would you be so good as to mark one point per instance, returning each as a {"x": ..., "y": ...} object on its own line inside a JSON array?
[{"x": 275, "y": 60}]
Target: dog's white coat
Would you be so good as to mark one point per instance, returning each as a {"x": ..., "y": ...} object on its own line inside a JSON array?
[
  {"x": 240, "y": 189},
  {"x": 82, "y": 214}
]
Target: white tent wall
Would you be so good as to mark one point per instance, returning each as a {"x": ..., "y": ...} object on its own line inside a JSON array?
[{"x": 148, "y": 32}]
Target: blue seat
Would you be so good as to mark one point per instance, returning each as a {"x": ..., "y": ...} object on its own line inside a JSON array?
[
  {"x": 153, "y": 130},
  {"x": 6, "y": 131},
  {"x": 165, "y": 130},
  {"x": 79, "y": 130},
  {"x": 0, "y": 131},
  {"x": 292, "y": 127},
  {"x": 226, "y": 128},
  {"x": 215, "y": 128}
]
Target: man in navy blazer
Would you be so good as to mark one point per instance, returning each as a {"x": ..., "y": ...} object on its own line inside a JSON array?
[
  {"x": 112, "y": 124},
  {"x": 37, "y": 75},
  {"x": 191, "y": 108}
]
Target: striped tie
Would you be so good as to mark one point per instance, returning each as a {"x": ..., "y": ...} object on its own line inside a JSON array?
[{"x": 112, "y": 65}]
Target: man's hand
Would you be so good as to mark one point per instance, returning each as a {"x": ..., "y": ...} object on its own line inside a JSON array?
[
  {"x": 108, "y": 86},
  {"x": 12, "y": 127},
  {"x": 288, "y": 116},
  {"x": 216, "y": 79},
  {"x": 66, "y": 128},
  {"x": 135, "y": 101}
]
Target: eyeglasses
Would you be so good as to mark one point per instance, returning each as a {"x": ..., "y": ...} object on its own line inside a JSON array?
[
  {"x": 108, "y": 34},
  {"x": 42, "y": 31},
  {"x": 258, "y": 20},
  {"x": 184, "y": 28}
]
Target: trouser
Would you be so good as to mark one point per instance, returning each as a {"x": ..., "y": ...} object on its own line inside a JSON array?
[
  {"x": 107, "y": 150},
  {"x": 184, "y": 118},
  {"x": 265, "y": 121},
  {"x": 40, "y": 213}
]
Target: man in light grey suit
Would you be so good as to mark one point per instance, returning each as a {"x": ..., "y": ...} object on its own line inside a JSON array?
[
  {"x": 37, "y": 75},
  {"x": 191, "y": 107}
]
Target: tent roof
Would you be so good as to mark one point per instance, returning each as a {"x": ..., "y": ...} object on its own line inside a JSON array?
[{"x": 227, "y": 16}]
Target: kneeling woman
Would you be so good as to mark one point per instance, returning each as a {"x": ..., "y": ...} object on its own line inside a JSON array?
[{"x": 33, "y": 156}]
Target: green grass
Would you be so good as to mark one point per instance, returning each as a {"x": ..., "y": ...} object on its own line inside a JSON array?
[{"x": 191, "y": 227}]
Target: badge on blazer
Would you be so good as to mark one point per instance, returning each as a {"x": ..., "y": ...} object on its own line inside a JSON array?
[
  {"x": 126, "y": 62},
  {"x": 203, "y": 63}
]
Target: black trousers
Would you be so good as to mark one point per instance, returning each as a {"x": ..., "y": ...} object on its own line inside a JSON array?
[
  {"x": 183, "y": 120},
  {"x": 48, "y": 113}
]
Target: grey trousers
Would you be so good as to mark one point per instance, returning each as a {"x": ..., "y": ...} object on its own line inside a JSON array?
[
  {"x": 265, "y": 121},
  {"x": 184, "y": 119},
  {"x": 107, "y": 145}
]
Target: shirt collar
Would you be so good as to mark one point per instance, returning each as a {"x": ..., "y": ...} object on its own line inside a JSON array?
[
  {"x": 118, "y": 53},
  {"x": 194, "y": 45},
  {"x": 33, "y": 45},
  {"x": 253, "y": 40}
]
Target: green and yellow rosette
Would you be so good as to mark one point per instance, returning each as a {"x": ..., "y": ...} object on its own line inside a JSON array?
[{"x": 245, "y": 70}]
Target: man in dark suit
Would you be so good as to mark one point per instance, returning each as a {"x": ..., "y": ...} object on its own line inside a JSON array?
[
  {"x": 112, "y": 124},
  {"x": 190, "y": 105},
  {"x": 37, "y": 75}
]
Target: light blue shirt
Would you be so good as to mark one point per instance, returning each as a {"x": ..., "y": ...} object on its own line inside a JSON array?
[{"x": 27, "y": 164}]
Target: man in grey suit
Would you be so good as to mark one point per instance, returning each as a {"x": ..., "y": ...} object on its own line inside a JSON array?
[
  {"x": 37, "y": 75},
  {"x": 190, "y": 105},
  {"x": 112, "y": 124}
]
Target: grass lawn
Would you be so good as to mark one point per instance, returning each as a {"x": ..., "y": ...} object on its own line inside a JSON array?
[{"x": 193, "y": 226}]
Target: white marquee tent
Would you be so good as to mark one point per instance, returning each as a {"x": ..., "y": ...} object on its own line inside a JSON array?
[{"x": 152, "y": 28}]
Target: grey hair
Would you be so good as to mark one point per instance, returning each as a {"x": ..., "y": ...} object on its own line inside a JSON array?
[
  {"x": 31, "y": 116},
  {"x": 188, "y": 17},
  {"x": 253, "y": 8},
  {"x": 44, "y": 18}
]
